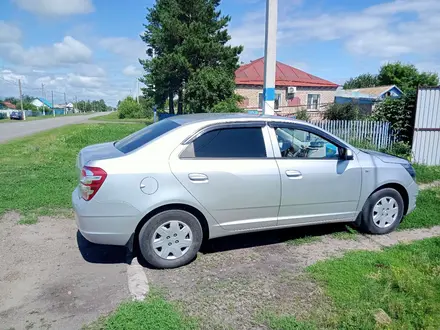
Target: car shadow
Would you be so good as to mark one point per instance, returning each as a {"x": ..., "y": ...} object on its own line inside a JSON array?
[
  {"x": 109, "y": 254},
  {"x": 102, "y": 254},
  {"x": 242, "y": 241}
]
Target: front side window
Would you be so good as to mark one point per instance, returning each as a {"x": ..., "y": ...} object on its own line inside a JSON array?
[
  {"x": 241, "y": 142},
  {"x": 313, "y": 101},
  {"x": 297, "y": 143}
]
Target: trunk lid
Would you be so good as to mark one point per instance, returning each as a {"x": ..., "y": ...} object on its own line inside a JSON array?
[{"x": 96, "y": 152}]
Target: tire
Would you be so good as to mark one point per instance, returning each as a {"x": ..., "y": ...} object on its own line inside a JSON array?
[
  {"x": 371, "y": 219},
  {"x": 165, "y": 234}
]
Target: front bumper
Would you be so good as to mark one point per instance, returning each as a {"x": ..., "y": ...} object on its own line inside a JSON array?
[
  {"x": 413, "y": 191},
  {"x": 98, "y": 223}
]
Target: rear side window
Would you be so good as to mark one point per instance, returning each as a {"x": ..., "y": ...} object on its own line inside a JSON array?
[
  {"x": 145, "y": 135},
  {"x": 245, "y": 142}
]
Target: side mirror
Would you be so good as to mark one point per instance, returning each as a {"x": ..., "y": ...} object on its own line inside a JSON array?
[{"x": 348, "y": 155}]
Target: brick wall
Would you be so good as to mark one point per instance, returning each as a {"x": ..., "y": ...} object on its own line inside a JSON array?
[{"x": 250, "y": 93}]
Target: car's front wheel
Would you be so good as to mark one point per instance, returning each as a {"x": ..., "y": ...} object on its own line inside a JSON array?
[
  {"x": 170, "y": 239},
  {"x": 382, "y": 212}
]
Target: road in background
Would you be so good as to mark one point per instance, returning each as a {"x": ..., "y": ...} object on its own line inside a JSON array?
[{"x": 9, "y": 131}]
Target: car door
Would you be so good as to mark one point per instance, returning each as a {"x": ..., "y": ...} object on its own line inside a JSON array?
[
  {"x": 317, "y": 184},
  {"x": 227, "y": 169}
]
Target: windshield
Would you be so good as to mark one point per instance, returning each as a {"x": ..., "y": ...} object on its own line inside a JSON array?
[{"x": 145, "y": 135}]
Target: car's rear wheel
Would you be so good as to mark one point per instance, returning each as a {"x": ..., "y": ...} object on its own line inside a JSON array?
[
  {"x": 382, "y": 212},
  {"x": 170, "y": 239}
]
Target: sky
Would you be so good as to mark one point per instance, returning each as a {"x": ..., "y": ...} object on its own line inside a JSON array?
[{"x": 89, "y": 49}]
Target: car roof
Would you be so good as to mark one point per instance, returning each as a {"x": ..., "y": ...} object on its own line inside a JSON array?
[{"x": 226, "y": 117}]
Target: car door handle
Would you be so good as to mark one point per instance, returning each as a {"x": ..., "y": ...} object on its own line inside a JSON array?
[
  {"x": 198, "y": 177},
  {"x": 294, "y": 174}
]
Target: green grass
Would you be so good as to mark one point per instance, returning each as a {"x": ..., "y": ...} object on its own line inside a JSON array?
[
  {"x": 348, "y": 234},
  {"x": 286, "y": 322},
  {"x": 114, "y": 117},
  {"x": 403, "y": 280},
  {"x": 154, "y": 313},
  {"x": 38, "y": 172},
  {"x": 29, "y": 118},
  {"x": 427, "y": 212},
  {"x": 426, "y": 174}
]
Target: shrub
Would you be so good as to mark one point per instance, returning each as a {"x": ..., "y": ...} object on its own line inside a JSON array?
[
  {"x": 347, "y": 111},
  {"x": 129, "y": 108},
  {"x": 302, "y": 114},
  {"x": 228, "y": 105},
  {"x": 400, "y": 113},
  {"x": 3, "y": 115}
]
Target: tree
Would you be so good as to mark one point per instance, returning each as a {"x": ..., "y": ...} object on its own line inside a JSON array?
[
  {"x": 302, "y": 114},
  {"x": 129, "y": 108},
  {"x": 406, "y": 76},
  {"x": 347, "y": 111},
  {"x": 188, "y": 39},
  {"x": 362, "y": 81}
]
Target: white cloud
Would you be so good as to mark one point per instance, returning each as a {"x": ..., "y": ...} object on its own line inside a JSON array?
[
  {"x": 386, "y": 30},
  {"x": 9, "y": 32},
  {"x": 69, "y": 51},
  {"x": 10, "y": 76},
  {"x": 75, "y": 80},
  {"x": 56, "y": 7},
  {"x": 127, "y": 47},
  {"x": 131, "y": 70}
]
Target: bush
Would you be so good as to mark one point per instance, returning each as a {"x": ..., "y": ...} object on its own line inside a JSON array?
[
  {"x": 228, "y": 105},
  {"x": 3, "y": 115},
  {"x": 400, "y": 113},
  {"x": 347, "y": 111},
  {"x": 302, "y": 114},
  {"x": 129, "y": 108}
]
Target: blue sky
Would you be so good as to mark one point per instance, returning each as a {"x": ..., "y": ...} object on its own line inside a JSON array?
[{"x": 89, "y": 48}]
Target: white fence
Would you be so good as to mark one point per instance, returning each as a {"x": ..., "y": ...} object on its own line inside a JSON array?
[
  {"x": 363, "y": 132},
  {"x": 426, "y": 141}
]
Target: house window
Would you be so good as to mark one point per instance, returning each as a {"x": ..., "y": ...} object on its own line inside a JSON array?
[
  {"x": 261, "y": 101},
  {"x": 313, "y": 101}
]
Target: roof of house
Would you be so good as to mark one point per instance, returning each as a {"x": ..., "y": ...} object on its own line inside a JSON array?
[
  {"x": 44, "y": 101},
  {"x": 368, "y": 93},
  {"x": 253, "y": 74},
  {"x": 9, "y": 105}
]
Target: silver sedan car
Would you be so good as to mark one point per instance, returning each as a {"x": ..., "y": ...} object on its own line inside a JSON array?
[{"x": 178, "y": 182}]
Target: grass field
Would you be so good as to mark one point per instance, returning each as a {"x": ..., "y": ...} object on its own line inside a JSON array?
[
  {"x": 426, "y": 174},
  {"x": 154, "y": 313},
  {"x": 28, "y": 118},
  {"x": 38, "y": 172},
  {"x": 113, "y": 117}
]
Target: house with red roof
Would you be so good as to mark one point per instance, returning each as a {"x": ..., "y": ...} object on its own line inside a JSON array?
[
  {"x": 294, "y": 88},
  {"x": 7, "y": 105}
]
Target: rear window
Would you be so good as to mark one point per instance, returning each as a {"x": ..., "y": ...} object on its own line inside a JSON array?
[{"x": 145, "y": 135}]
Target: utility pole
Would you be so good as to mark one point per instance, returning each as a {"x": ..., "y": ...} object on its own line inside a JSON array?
[
  {"x": 65, "y": 103},
  {"x": 21, "y": 99},
  {"x": 270, "y": 57},
  {"x": 42, "y": 90},
  {"x": 53, "y": 108},
  {"x": 137, "y": 91}
]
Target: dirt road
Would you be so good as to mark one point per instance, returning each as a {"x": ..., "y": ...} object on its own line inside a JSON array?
[
  {"x": 9, "y": 131},
  {"x": 45, "y": 283}
]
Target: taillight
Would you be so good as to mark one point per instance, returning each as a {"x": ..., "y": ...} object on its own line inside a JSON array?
[{"x": 91, "y": 180}]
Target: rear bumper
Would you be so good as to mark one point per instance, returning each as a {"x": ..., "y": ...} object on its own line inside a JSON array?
[
  {"x": 98, "y": 223},
  {"x": 413, "y": 191}
]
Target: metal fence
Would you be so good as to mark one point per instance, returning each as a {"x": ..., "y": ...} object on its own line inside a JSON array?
[
  {"x": 366, "y": 133},
  {"x": 426, "y": 140}
]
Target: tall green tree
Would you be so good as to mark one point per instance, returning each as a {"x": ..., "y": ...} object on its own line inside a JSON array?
[
  {"x": 406, "y": 76},
  {"x": 189, "y": 41},
  {"x": 362, "y": 81}
]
